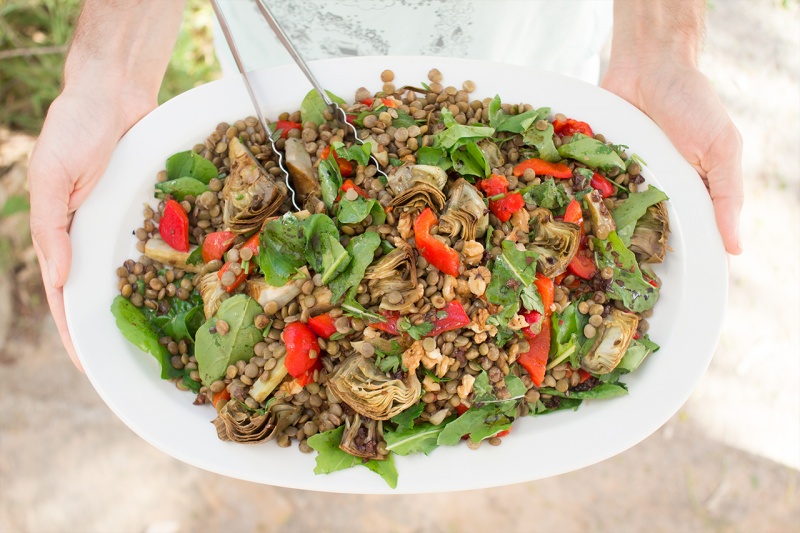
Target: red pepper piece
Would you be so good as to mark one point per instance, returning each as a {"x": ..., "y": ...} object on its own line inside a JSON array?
[
  {"x": 174, "y": 226},
  {"x": 573, "y": 213},
  {"x": 532, "y": 317},
  {"x": 582, "y": 265},
  {"x": 348, "y": 184},
  {"x": 222, "y": 395},
  {"x": 535, "y": 359},
  {"x": 546, "y": 290},
  {"x": 583, "y": 374},
  {"x": 300, "y": 341},
  {"x": 506, "y": 206},
  {"x": 251, "y": 243},
  {"x": 216, "y": 244},
  {"x": 496, "y": 184},
  {"x": 453, "y": 317},
  {"x": 390, "y": 326},
  {"x": 543, "y": 168},
  {"x": 503, "y": 433},
  {"x": 434, "y": 251},
  {"x": 604, "y": 186},
  {"x": 388, "y": 102},
  {"x": 285, "y": 126},
  {"x": 322, "y": 325},
  {"x": 461, "y": 409},
  {"x": 308, "y": 376},
  {"x": 345, "y": 166},
  {"x": 571, "y": 127}
]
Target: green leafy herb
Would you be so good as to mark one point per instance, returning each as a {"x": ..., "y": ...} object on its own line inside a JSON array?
[
  {"x": 542, "y": 140},
  {"x": 513, "y": 271},
  {"x": 215, "y": 352},
  {"x": 183, "y": 318},
  {"x": 548, "y": 194},
  {"x": 196, "y": 257},
  {"x": 455, "y": 135},
  {"x": 403, "y": 120},
  {"x": 356, "y": 310},
  {"x": 422, "y": 438},
  {"x": 331, "y": 458},
  {"x": 191, "y": 165},
  {"x": 428, "y": 155},
  {"x": 469, "y": 160},
  {"x": 415, "y": 332},
  {"x": 180, "y": 188},
  {"x": 313, "y": 107},
  {"x": 355, "y": 211},
  {"x": 627, "y": 284},
  {"x": 281, "y": 249},
  {"x": 358, "y": 152},
  {"x": 591, "y": 152},
  {"x": 502, "y": 121},
  {"x": 636, "y": 205},
  {"x": 135, "y": 327},
  {"x": 361, "y": 250},
  {"x": 405, "y": 420},
  {"x": 324, "y": 253}
]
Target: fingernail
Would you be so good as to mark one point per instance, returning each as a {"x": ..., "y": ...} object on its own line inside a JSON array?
[{"x": 52, "y": 272}]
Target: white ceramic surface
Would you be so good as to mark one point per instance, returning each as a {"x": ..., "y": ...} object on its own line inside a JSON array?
[{"x": 686, "y": 323}]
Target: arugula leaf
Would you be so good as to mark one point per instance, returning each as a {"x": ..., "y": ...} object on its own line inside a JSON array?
[
  {"x": 323, "y": 251},
  {"x": 180, "y": 188},
  {"x": 636, "y": 205},
  {"x": 196, "y": 257},
  {"x": 191, "y": 384},
  {"x": 591, "y": 152},
  {"x": 357, "y": 152},
  {"x": 469, "y": 160},
  {"x": 542, "y": 140},
  {"x": 502, "y": 121},
  {"x": 416, "y": 332},
  {"x": 330, "y": 180},
  {"x": 455, "y": 135},
  {"x": 603, "y": 391},
  {"x": 361, "y": 250},
  {"x": 403, "y": 120},
  {"x": 356, "y": 310},
  {"x": 559, "y": 404},
  {"x": 330, "y": 458},
  {"x": 355, "y": 211},
  {"x": 627, "y": 284},
  {"x": 391, "y": 361},
  {"x": 192, "y": 165},
  {"x": 182, "y": 320},
  {"x": 135, "y": 327},
  {"x": 428, "y": 155},
  {"x": 568, "y": 337},
  {"x": 513, "y": 270},
  {"x": 531, "y": 299},
  {"x": 405, "y": 420},
  {"x": 281, "y": 249},
  {"x": 548, "y": 194},
  {"x": 478, "y": 422},
  {"x": 313, "y": 107},
  {"x": 422, "y": 438}
]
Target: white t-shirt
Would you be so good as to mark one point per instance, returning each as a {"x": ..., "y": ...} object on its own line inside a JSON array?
[{"x": 564, "y": 36}]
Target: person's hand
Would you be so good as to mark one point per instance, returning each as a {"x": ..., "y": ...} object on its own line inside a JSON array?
[
  {"x": 681, "y": 100},
  {"x": 79, "y": 134}
]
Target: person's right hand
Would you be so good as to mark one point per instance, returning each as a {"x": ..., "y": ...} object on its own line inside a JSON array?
[{"x": 80, "y": 132}]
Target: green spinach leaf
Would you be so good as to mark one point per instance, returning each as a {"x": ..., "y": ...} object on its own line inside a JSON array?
[
  {"x": 313, "y": 107},
  {"x": 355, "y": 211},
  {"x": 324, "y": 252},
  {"x": 428, "y": 155},
  {"x": 513, "y": 271},
  {"x": 361, "y": 250},
  {"x": 180, "y": 188},
  {"x": 502, "y": 121},
  {"x": 636, "y": 205},
  {"x": 192, "y": 165},
  {"x": 548, "y": 194},
  {"x": 281, "y": 249},
  {"x": 330, "y": 180},
  {"x": 357, "y": 152},
  {"x": 135, "y": 327},
  {"x": 627, "y": 284},
  {"x": 591, "y": 152},
  {"x": 542, "y": 140},
  {"x": 455, "y": 135},
  {"x": 405, "y": 420}
]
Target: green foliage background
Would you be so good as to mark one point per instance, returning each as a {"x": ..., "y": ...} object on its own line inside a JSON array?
[{"x": 34, "y": 38}]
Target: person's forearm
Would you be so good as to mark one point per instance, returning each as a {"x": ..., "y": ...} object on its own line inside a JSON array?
[
  {"x": 658, "y": 28},
  {"x": 123, "y": 46}
]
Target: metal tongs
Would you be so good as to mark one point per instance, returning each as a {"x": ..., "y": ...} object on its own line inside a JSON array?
[{"x": 332, "y": 106}]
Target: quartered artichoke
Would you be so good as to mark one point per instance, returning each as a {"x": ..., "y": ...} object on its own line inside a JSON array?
[
  {"x": 613, "y": 338},
  {"x": 602, "y": 221},
  {"x": 238, "y": 423},
  {"x": 298, "y": 163},
  {"x": 418, "y": 187},
  {"x": 396, "y": 271},
  {"x": 250, "y": 194},
  {"x": 465, "y": 215},
  {"x": 556, "y": 242},
  {"x": 262, "y": 292},
  {"x": 369, "y": 392},
  {"x": 361, "y": 437},
  {"x": 212, "y": 292},
  {"x": 649, "y": 239}
]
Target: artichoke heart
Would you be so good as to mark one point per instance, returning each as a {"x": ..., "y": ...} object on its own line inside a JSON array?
[
  {"x": 361, "y": 437},
  {"x": 212, "y": 293},
  {"x": 250, "y": 194},
  {"x": 369, "y": 392},
  {"x": 464, "y": 212},
  {"x": 418, "y": 187},
  {"x": 396, "y": 271},
  {"x": 262, "y": 292},
  {"x": 556, "y": 242},
  {"x": 649, "y": 239},
  {"x": 613, "y": 338},
  {"x": 602, "y": 221},
  {"x": 298, "y": 163},
  {"x": 238, "y": 423}
]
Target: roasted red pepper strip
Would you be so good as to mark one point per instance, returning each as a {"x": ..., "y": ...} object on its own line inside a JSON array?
[
  {"x": 574, "y": 213},
  {"x": 286, "y": 126},
  {"x": 345, "y": 166},
  {"x": 532, "y": 317},
  {"x": 582, "y": 265},
  {"x": 322, "y": 325},
  {"x": 543, "y": 168},
  {"x": 300, "y": 341},
  {"x": 506, "y": 206},
  {"x": 535, "y": 359},
  {"x": 222, "y": 395},
  {"x": 604, "y": 186},
  {"x": 433, "y": 250},
  {"x": 308, "y": 376},
  {"x": 495, "y": 184},
  {"x": 174, "y": 226},
  {"x": 546, "y": 290},
  {"x": 388, "y": 102},
  {"x": 216, "y": 244},
  {"x": 461, "y": 409},
  {"x": 251, "y": 243},
  {"x": 348, "y": 184},
  {"x": 453, "y": 317},
  {"x": 503, "y": 433},
  {"x": 583, "y": 374},
  {"x": 571, "y": 127},
  {"x": 390, "y": 326}
]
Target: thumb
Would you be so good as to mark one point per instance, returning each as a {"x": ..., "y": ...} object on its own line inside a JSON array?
[{"x": 725, "y": 186}]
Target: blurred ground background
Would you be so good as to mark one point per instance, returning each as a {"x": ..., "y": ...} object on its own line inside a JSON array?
[{"x": 728, "y": 461}]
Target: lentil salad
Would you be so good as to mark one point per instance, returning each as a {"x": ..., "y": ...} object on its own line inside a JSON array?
[{"x": 468, "y": 289}]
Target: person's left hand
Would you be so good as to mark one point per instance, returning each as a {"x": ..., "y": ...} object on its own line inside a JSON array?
[{"x": 682, "y": 101}]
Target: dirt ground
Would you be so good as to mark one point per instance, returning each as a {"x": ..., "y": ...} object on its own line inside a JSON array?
[{"x": 728, "y": 461}]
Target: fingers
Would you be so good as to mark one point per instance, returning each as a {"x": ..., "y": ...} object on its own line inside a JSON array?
[{"x": 724, "y": 163}]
